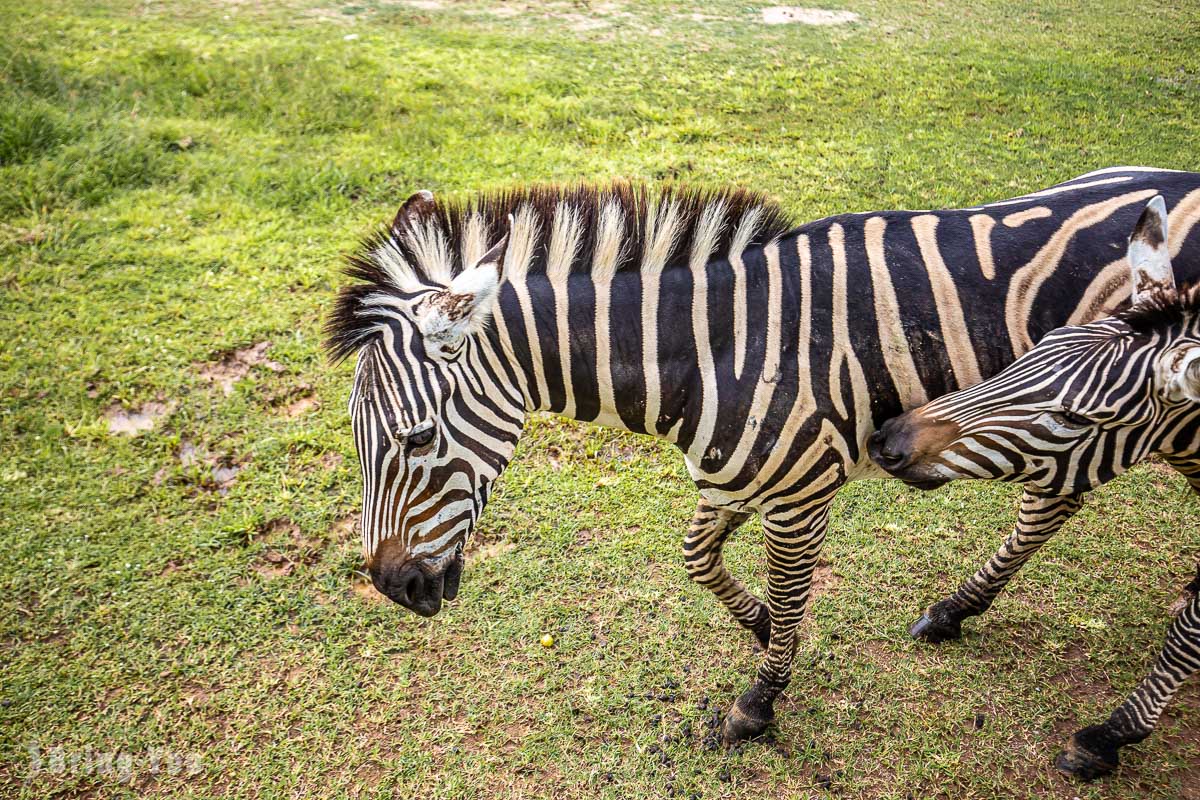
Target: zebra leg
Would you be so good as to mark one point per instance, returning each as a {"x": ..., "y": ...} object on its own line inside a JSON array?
[
  {"x": 794, "y": 540},
  {"x": 1040, "y": 518},
  {"x": 706, "y": 536},
  {"x": 1188, "y": 468},
  {"x": 1094, "y": 751}
]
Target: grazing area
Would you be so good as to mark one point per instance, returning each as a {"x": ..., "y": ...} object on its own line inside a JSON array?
[{"x": 183, "y": 610}]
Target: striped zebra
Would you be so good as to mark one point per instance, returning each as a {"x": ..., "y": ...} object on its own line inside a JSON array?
[
  {"x": 1082, "y": 407},
  {"x": 767, "y": 354}
]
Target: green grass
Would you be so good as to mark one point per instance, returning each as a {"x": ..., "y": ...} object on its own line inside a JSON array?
[{"x": 177, "y": 181}]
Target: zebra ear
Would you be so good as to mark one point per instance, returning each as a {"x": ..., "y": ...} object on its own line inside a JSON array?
[
  {"x": 1180, "y": 374},
  {"x": 445, "y": 317},
  {"x": 1148, "y": 254},
  {"x": 414, "y": 209}
]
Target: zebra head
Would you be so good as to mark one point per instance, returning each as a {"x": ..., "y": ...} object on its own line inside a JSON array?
[
  {"x": 434, "y": 424},
  {"x": 1082, "y": 406}
]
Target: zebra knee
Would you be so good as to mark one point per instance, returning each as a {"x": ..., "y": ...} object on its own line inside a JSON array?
[{"x": 703, "y": 566}]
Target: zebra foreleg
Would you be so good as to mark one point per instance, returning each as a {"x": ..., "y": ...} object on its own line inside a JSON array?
[
  {"x": 1095, "y": 750},
  {"x": 705, "y": 564},
  {"x": 1039, "y": 519},
  {"x": 794, "y": 541}
]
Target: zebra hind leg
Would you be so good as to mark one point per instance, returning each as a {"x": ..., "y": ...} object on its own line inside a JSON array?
[
  {"x": 705, "y": 564},
  {"x": 1095, "y": 751},
  {"x": 1039, "y": 519},
  {"x": 1188, "y": 468}
]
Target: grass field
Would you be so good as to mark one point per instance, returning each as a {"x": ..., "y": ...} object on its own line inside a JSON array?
[{"x": 177, "y": 183}]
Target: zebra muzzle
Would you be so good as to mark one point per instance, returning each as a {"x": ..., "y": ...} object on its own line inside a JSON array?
[
  {"x": 419, "y": 586},
  {"x": 902, "y": 447}
]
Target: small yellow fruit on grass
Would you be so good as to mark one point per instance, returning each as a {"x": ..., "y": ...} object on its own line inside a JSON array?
[{"x": 547, "y": 640}]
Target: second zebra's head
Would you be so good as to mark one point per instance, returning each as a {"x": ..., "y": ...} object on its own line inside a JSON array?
[
  {"x": 1082, "y": 406},
  {"x": 434, "y": 420}
]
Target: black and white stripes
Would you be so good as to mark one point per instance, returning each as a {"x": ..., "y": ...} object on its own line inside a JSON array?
[
  {"x": 766, "y": 355},
  {"x": 1085, "y": 404}
]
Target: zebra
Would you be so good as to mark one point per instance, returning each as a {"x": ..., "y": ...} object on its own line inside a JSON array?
[
  {"x": 1077, "y": 410},
  {"x": 766, "y": 353}
]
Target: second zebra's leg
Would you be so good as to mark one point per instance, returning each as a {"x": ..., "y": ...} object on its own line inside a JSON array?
[
  {"x": 706, "y": 536},
  {"x": 1039, "y": 519},
  {"x": 1095, "y": 750},
  {"x": 794, "y": 538}
]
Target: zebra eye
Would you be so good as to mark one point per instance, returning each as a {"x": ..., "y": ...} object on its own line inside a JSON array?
[
  {"x": 1070, "y": 419},
  {"x": 420, "y": 438}
]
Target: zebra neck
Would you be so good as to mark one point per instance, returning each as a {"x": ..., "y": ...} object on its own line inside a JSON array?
[{"x": 619, "y": 351}]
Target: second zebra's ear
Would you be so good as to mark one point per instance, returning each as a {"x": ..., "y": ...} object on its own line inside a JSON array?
[
  {"x": 445, "y": 317},
  {"x": 1179, "y": 374},
  {"x": 1148, "y": 253}
]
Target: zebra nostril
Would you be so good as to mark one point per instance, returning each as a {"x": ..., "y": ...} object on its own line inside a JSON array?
[
  {"x": 413, "y": 587},
  {"x": 885, "y": 452}
]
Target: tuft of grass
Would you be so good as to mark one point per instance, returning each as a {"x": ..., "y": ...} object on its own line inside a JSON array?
[{"x": 177, "y": 182}]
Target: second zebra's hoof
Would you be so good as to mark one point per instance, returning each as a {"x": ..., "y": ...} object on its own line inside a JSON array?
[
  {"x": 1082, "y": 762},
  {"x": 926, "y": 630}
]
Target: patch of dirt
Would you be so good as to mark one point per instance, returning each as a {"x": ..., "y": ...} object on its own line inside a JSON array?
[
  {"x": 274, "y": 565},
  {"x": 785, "y": 15},
  {"x": 231, "y": 366},
  {"x": 301, "y": 405},
  {"x": 188, "y": 454},
  {"x": 224, "y": 472},
  {"x": 221, "y": 473},
  {"x": 618, "y": 451},
  {"x": 331, "y": 460},
  {"x": 1079, "y": 683},
  {"x": 171, "y": 567},
  {"x": 294, "y": 401},
  {"x": 279, "y": 529},
  {"x": 502, "y": 11},
  {"x": 575, "y": 17},
  {"x": 288, "y": 544},
  {"x": 133, "y": 422},
  {"x": 195, "y": 695},
  {"x": 876, "y": 652},
  {"x": 362, "y": 588},
  {"x": 1189, "y": 784},
  {"x": 490, "y": 550},
  {"x": 1157, "y": 466},
  {"x": 1181, "y": 601},
  {"x": 344, "y": 527},
  {"x": 824, "y": 580},
  {"x": 35, "y": 235}
]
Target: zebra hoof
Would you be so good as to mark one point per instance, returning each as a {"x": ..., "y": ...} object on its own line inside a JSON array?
[
  {"x": 1082, "y": 762},
  {"x": 739, "y": 726},
  {"x": 927, "y": 630}
]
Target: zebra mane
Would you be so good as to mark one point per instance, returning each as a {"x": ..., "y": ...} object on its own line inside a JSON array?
[
  {"x": 1163, "y": 306},
  {"x": 556, "y": 230}
]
